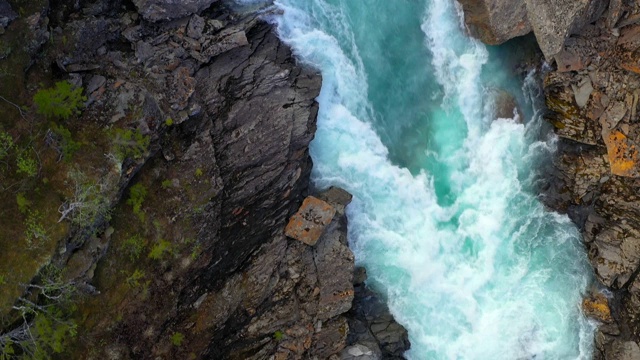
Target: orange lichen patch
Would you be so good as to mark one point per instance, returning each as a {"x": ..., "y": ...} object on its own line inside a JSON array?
[
  {"x": 631, "y": 65},
  {"x": 623, "y": 154},
  {"x": 597, "y": 307},
  {"x": 309, "y": 222}
]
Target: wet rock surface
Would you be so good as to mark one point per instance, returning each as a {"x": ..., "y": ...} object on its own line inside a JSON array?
[{"x": 373, "y": 332}]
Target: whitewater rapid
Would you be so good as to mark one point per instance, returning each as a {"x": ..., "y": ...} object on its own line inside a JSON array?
[{"x": 444, "y": 217}]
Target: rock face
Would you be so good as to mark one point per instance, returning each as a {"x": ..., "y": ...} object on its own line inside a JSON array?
[
  {"x": 373, "y": 332},
  {"x": 552, "y": 21},
  {"x": 156, "y": 10},
  {"x": 210, "y": 119},
  {"x": 6, "y": 14},
  {"x": 593, "y": 101},
  {"x": 496, "y": 21}
]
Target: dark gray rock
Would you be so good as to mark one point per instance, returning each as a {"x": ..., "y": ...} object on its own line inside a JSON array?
[
  {"x": 7, "y": 14},
  {"x": 372, "y": 327},
  {"x": 157, "y": 10}
]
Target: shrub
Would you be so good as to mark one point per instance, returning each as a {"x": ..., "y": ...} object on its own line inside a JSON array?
[
  {"x": 134, "y": 279},
  {"x": 133, "y": 246},
  {"x": 88, "y": 204},
  {"x": 27, "y": 165},
  {"x": 35, "y": 230},
  {"x": 166, "y": 184},
  {"x": 67, "y": 146},
  {"x": 23, "y": 203},
  {"x": 137, "y": 194},
  {"x": 278, "y": 335},
  {"x": 129, "y": 144},
  {"x": 177, "y": 338},
  {"x": 6, "y": 143},
  {"x": 159, "y": 249},
  {"x": 199, "y": 172},
  {"x": 60, "y": 101}
]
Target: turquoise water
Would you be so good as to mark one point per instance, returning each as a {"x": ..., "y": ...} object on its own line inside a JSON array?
[{"x": 444, "y": 217}]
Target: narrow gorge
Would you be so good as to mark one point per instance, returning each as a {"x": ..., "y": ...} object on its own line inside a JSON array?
[{"x": 319, "y": 179}]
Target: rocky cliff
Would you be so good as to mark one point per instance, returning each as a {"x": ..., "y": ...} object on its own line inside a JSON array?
[
  {"x": 148, "y": 221},
  {"x": 592, "y": 99}
]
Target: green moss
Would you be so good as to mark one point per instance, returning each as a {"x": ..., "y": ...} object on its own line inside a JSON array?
[{"x": 168, "y": 122}]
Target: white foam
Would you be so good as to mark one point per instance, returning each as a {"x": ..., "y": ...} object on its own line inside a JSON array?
[{"x": 477, "y": 279}]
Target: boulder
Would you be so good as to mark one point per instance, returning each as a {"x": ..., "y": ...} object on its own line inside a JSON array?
[
  {"x": 158, "y": 10},
  {"x": 308, "y": 224},
  {"x": 7, "y": 14},
  {"x": 496, "y": 21},
  {"x": 597, "y": 307},
  {"x": 552, "y": 21}
]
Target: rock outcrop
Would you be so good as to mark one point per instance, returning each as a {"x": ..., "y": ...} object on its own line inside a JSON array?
[
  {"x": 157, "y": 10},
  {"x": 552, "y": 21},
  {"x": 592, "y": 98},
  {"x": 194, "y": 157}
]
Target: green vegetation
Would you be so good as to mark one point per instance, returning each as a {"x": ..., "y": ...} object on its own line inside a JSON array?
[
  {"x": 133, "y": 246},
  {"x": 134, "y": 279},
  {"x": 61, "y": 101},
  {"x": 46, "y": 328},
  {"x": 168, "y": 122},
  {"x": 88, "y": 203},
  {"x": 35, "y": 230},
  {"x": 166, "y": 184},
  {"x": 129, "y": 144},
  {"x": 23, "y": 203},
  {"x": 137, "y": 194},
  {"x": 199, "y": 172},
  {"x": 278, "y": 335},
  {"x": 177, "y": 338},
  {"x": 27, "y": 165},
  {"x": 66, "y": 146},
  {"x": 6, "y": 143},
  {"x": 159, "y": 249}
]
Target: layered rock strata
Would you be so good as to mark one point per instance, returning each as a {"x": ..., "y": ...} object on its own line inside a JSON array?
[{"x": 208, "y": 118}]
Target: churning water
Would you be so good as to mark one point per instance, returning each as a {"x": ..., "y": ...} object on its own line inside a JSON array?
[{"x": 444, "y": 217}]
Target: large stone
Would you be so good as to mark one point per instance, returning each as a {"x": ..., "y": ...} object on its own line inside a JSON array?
[
  {"x": 552, "y": 21},
  {"x": 597, "y": 307},
  {"x": 6, "y": 14},
  {"x": 496, "y": 21},
  {"x": 623, "y": 155},
  {"x": 157, "y": 10},
  {"x": 308, "y": 224}
]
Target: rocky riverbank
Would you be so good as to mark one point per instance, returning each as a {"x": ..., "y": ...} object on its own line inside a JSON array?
[
  {"x": 160, "y": 205},
  {"x": 592, "y": 98}
]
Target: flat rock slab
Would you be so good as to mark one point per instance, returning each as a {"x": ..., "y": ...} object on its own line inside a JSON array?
[{"x": 308, "y": 224}]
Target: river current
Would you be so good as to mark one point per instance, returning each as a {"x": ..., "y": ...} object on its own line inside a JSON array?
[{"x": 445, "y": 217}]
